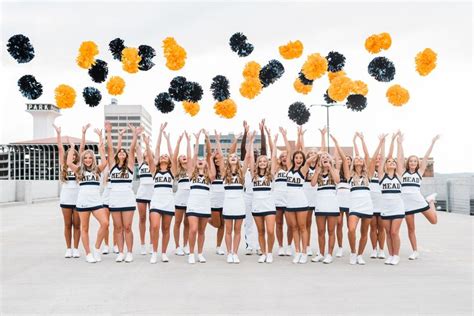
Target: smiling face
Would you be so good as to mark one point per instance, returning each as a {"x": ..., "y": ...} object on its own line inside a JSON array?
[
  {"x": 413, "y": 163},
  {"x": 283, "y": 156},
  {"x": 325, "y": 161},
  {"x": 121, "y": 155},
  {"x": 358, "y": 161},
  {"x": 201, "y": 164},
  {"x": 183, "y": 160},
  {"x": 88, "y": 159},
  {"x": 298, "y": 159},
  {"x": 233, "y": 159},
  {"x": 262, "y": 162}
]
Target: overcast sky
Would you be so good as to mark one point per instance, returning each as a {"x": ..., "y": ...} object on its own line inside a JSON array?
[{"x": 439, "y": 103}]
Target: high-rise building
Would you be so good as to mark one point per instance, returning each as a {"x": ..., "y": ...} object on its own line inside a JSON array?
[
  {"x": 121, "y": 115},
  {"x": 226, "y": 142}
]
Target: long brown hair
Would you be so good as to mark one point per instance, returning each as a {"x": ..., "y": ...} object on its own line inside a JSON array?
[
  {"x": 124, "y": 167},
  {"x": 64, "y": 167},
  {"x": 407, "y": 167}
]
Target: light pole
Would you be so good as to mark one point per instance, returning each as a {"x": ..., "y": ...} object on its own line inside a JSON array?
[{"x": 327, "y": 106}]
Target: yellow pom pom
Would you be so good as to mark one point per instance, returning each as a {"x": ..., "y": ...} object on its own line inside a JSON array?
[
  {"x": 291, "y": 50},
  {"x": 115, "y": 85},
  {"x": 301, "y": 87},
  {"x": 425, "y": 61},
  {"x": 376, "y": 42},
  {"x": 314, "y": 67},
  {"x": 250, "y": 88},
  {"x": 360, "y": 87},
  {"x": 340, "y": 88},
  {"x": 192, "y": 108},
  {"x": 251, "y": 70},
  {"x": 226, "y": 108},
  {"x": 130, "y": 60},
  {"x": 175, "y": 55},
  {"x": 397, "y": 95},
  {"x": 87, "y": 52},
  {"x": 332, "y": 75},
  {"x": 65, "y": 96},
  {"x": 385, "y": 40}
]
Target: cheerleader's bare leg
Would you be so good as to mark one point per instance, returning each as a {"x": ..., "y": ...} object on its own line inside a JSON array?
[
  {"x": 76, "y": 223},
  {"x": 127, "y": 220},
  {"x": 351, "y": 235},
  {"x": 410, "y": 220},
  {"x": 142, "y": 220},
  {"x": 201, "y": 233},
  {"x": 301, "y": 219},
  {"x": 388, "y": 228},
  {"x": 380, "y": 232},
  {"x": 155, "y": 220},
  {"x": 395, "y": 235},
  {"x": 374, "y": 235},
  {"x": 279, "y": 227},
  {"x": 321, "y": 225},
  {"x": 165, "y": 231},
  {"x": 68, "y": 220},
  {"x": 106, "y": 238},
  {"x": 332, "y": 222},
  {"x": 340, "y": 223},
  {"x": 193, "y": 231},
  {"x": 85, "y": 217},
  {"x": 101, "y": 216},
  {"x": 364, "y": 231},
  {"x": 186, "y": 231},
  {"x": 260, "y": 223},
  {"x": 118, "y": 230},
  {"x": 431, "y": 214},
  {"x": 270, "y": 228},
  {"x": 228, "y": 234},
  {"x": 178, "y": 219},
  {"x": 237, "y": 230},
  {"x": 293, "y": 225},
  {"x": 309, "y": 222}
]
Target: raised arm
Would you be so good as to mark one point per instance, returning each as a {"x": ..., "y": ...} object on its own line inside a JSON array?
[
  {"x": 170, "y": 152},
  {"x": 354, "y": 142},
  {"x": 176, "y": 149},
  {"x": 298, "y": 138},
  {"x": 136, "y": 132},
  {"x": 103, "y": 158},
  {"x": 273, "y": 152},
  {"x": 334, "y": 173},
  {"x": 193, "y": 162},
  {"x": 302, "y": 146},
  {"x": 60, "y": 144},
  {"x": 400, "y": 155},
  {"x": 317, "y": 171},
  {"x": 380, "y": 169},
  {"x": 364, "y": 148},
  {"x": 70, "y": 158},
  {"x": 158, "y": 143},
  {"x": 233, "y": 145},
  {"x": 139, "y": 153},
  {"x": 424, "y": 162},
  {"x": 212, "y": 166},
  {"x": 373, "y": 160},
  {"x": 110, "y": 146},
  {"x": 207, "y": 142},
  {"x": 83, "y": 139},
  {"x": 345, "y": 164},
  {"x": 251, "y": 159},
  {"x": 288, "y": 147},
  {"x": 249, "y": 154},
  {"x": 148, "y": 154},
  {"x": 323, "y": 139},
  {"x": 263, "y": 143},
  {"x": 392, "y": 142},
  {"x": 218, "y": 142},
  {"x": 243, "y": 144}
]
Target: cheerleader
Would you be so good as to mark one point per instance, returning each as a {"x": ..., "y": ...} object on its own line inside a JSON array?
[
  {"x": 343, "y": 200},
  {"x": 181, "y": 195},
  {"x": 68, "y": 195},
  {"x": 263, "y": 205},
  {"x": 198, "y": 209},
  {"x": 234, "y": 204},
  {"x": 326, "y": 177},
  {"x": 144, "y": 195},
  {"x": 392, "y": 211},
  {"x": 87, "y": 173},
  {"x": 121, "y": 197},
  {"x": 412, "y": 198},
  {"x": 296, "y": 202}
]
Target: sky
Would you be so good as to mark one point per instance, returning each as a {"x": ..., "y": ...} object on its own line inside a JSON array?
[{"x": 439, "y": 103}]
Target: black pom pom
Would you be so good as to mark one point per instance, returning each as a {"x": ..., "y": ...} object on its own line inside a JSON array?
[
  {"x": 271, "y": 72},
  {"x": 304, "y": 80},
  {"x": 177, "y": 89},
  {"x": 220, "y": 88},
  {"x": 146, "y": 53},
  {"x": 164, "y": 103},
  {"x": 299, "y": 113},
  {"x": 92, "y": 96},
  {"x": 336, "y": 61},
  {"x": 29, "y": 87},
  {"x": 328, "y": 99},
  {"x": 238, "y": 43},
  {"x": 193, "y": 91},
  {"x": 356, "y": 102},
  {"x": 116, "y": 46},
  {"x": 99, "y": 71},
  {"x": 382, "y": 69},
  {"x": 20, "y": 48}
]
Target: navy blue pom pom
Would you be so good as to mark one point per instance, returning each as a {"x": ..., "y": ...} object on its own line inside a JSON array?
[
  {"x": 220, "y": 88},
  {"x": 299, "y": 113},
  {"x": 382, "y": 69},
  {"x": 164, "y": 103},
  {"x": 116, "y": 46},
  {"x": 238, "y": 43},
  {"x": 146, "y": 53},
  {"x": 356, "y": 102},
  {"x": 92, "y": 96},
  {"x": 336, "y": 61},
  {"x": 20, "y": 48},
  {"x": 177, "y": 89},
  {"x": 271, "y": 72},
  {"x": 99, "y": 71},
  {"x": 193, "y": 91},
  {"x": 29, "y": 87}
]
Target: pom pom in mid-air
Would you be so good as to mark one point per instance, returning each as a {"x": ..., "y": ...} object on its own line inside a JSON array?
[
  {"x": 115, "y": 85},
  {"x": 333, "y": 75},
  {"x": 177, "y": 89},
  {"x": 29, "y": 87},
  {"x": 238, "y": 43},
  {"x": 376, "y": 42},
  {"x": 304, "y": 80},
  {"x": 397, "y": 95},
  {"x": 271, "y": 72},
  {"x": 336, "y": 61},
  {"x": 65, "y": 96},
  {"x": 192, "y": 108},
  {"x": 299, "y": 113},
  {"x": 193, "y": 91},
  {"x": 130, "y": 60},
  {"x": 425, "y": 61},
  {"x": 356, "y": 102},
  {"x": 116, "y": 46},
  {"x": 164, "y": 103},
  {"x": 360, "y": 87},
  {"x": 20, "y": 48},
  {"x": 220, "y": 88},
  {"x": 251, "y": 70},
  {"x": 340, "y": 88},
  {"x": 99, "y": 71},
  {"x": 291, "y": 50},
  {"x": 382, "y": 69},
  {"x": 92, "y": 96},
  {"x": 251, "y": 87},
  {"x": 300, "y": 87},
  {"x": 146, "y": 53},
  {"x": 328, "y": 99},
  {"x": 87, "y": 52},
  {"x": 226, "y": 109},
  {"x": 315, "y": 66},
  {"x": 175, "y": 54}
]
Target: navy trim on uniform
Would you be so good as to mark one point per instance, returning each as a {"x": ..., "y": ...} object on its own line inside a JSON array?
[
  {"x": 121, "y": 181},
  {"x": 296, "y": 209},
  {"x": 423, "y": 209},
  {"x": 215, "y": 182},
  {"x": 228, "y": 187},
  {"x": 360, "y": 215},
  {"x": 410, "y": 185},
  {"x": 280, "y": 180},
  {"x": 294, "y": 185},
  {"x": 199, "y": 187},
  {"x": 183, "y": 180},
  {"x": 145, "y": 175},
  {"x": 105, "y": 205},
  {"x": 142, "y": 201},
  {"x": 71, "y": 178},
  {"x": 360, "y": 188},
  {"x": 393, "y": 216},
  {"x": 234, "y": 216},
  {"x": 261, "y": 189},
  {"x": 162, "y": 212},
  {"x": 180, "y": 207},
  {"x": 343, "y": 209},
  {"x": 163, "y": 186},
  {"x": 376, "y": 214},
  {"x": 198, "y": 214},
  {"x": 68, "y": 206},
  {"x": 391, "y": 191},
  {"x": 217, "y": 209},
  {"x": 311, "y": 208},
  {"x": 264, "y": 213},
  {"x": 326, "y": 214},
  {"x": 280, "y": 208},
  {"x": 327, "y": 188},
  {"x": 89, "y": 183},
  {"x": 374, "y": 181},
  {"x": 89, "y": 209},
  {"x": 386, "y": 176},
  {"x": 122, "y": 209}
]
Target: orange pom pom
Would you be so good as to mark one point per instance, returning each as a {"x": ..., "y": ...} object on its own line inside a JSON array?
[
  {"x": 397, "y": 95},
  {"x": 301, "y": 87},
  {"x": 65, "y": 96},
  {"x": 425, "y": 61},
  {"x": 115, "y": 85},
  {"x": 359, "y": 87},
  {"x": 376, "y": 42},
  {"x": 385, "y": 40},
  {"x": 130, "y": 60},
  {"x": 87, "y": 52},
  {"x": 251, "y": 87},
  {"x": 226, "y": 108},
  {"x": 291, "y": 50},
  {"x": 332, "y": 75},
  {"x": 175, "y": 55},
  {"x": 192, "y": 108},
  {"x": 340, "y": 88},
  {"x": 314, "y": 67},
  {"x": 251, "y": 70}
]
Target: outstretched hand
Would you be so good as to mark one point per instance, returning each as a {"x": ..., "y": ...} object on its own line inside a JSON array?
[
  {"x": 57, "y": 128},
  {"x": 85, "y": 127}
]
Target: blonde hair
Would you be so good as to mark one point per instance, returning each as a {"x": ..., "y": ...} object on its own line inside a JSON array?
[
  {"x": 168, "y": 167},
  {"x": 64, "y": 167},
  {"x": 320, "y": 175},
  {"x": 268, "y": 170},
  {"x": 180, "y": 170},
  {"x": 82, "y": 168},
  {"x": 238, "y": 169},
  {"x": 364, "y": 174},
  {"x": 205, "y": 172}
]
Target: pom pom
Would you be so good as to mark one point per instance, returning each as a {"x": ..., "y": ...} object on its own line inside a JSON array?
[
  {"x": 376, "y": 42},
  {"x": 340, "y": 88},
  {"x": 220, "y": 88},
  {"x": 87, "y": 52},
  {"x": 328, "y": 99},
  {"x": 226, "y": 108},
  {"x": 175, "y": 55},
  {"x": 251, "y": 70},
  {"x": 91, "y": 96},
  {"x": 382, "y": 69},
  {"x": 425, "y": 61},
  {"x": 238, "y": 43},
  {"x": 385, "y": 40},
  {"x": 304, "y": 80},
  {"x": 116, "y": 46},
  {"x": 332, "y": 75},
  {"x": 193, "y": 92},
  {"x": 20, "y": 48},
  {"x": 164, "y": 103},
  {"x": 359, "y": 87},
  {"x": 177, "y": 89},
  {"x": 192, "y": 108},
  {"x": 336, "y": 61},
  {"x": 146, "y": 53},
  {"x": 315, "y": 66},
  {"x": 29, "y": 87},
  {"x": 356, "y": 102},
  {"x": 130, "y": 60},
  {"x": 115, "y": 85},
  {"x": 397, "y": 95},
  {"x": 250, "y": 88},
  {"x": 301, "y": 87},
  {"x": 299, "y": 113},
  {"x": 65, "y": 96},
  {"x": 99, "y": 71},
  {"x": 291, "y": 50},
  {"x": 271, "y": 72}
]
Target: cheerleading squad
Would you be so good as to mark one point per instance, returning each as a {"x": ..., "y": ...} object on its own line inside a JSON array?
[{"x": 374, "y": 192}]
